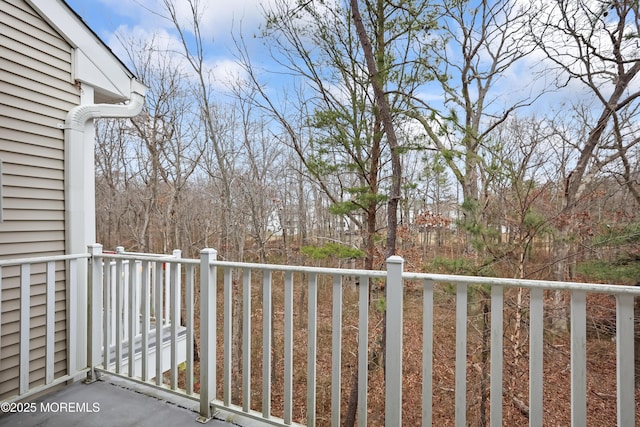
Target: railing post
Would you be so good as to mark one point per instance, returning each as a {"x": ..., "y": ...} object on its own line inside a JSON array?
[
  {"x": 174, "y": 316},
  {"x": 207, "y": 332},
  {"x": 393, "y": 364},
  {"x": 177, "y": 253},
  {"x": 94, "y": 327},
  {"x": 578, "y": 358},
  {"x": 625, "y": 361},
  {"x": 536, "y": 356},
  {"x": 462, "y": 298}
]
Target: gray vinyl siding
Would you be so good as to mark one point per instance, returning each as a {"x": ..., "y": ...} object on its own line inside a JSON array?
[{"x": 36, "y": 92}]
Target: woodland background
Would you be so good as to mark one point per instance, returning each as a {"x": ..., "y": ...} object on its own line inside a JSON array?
[{"x": 472, "y": 137}]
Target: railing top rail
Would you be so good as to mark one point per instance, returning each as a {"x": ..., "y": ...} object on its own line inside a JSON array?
[
  {"x": 525, "y": 283},
  {"x": 248, "y": 265},
  {"x": 302, "y": 269},
  {"x": 469, "y": 280},
  {"x": 149, "y": 257},
  {"x": 37, "y": 260},
  {"x": 145, "y": 254}
]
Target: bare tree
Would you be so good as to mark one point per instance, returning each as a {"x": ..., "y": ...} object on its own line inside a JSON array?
[
  {"x": 478, "y": 44},
  {"x": 193, "y": 51},
  {"x": 146, "y": 162},
  {"x": 113, "y": 172},
  {"x": 596, "y": 44},
  {"x": 519, "y": 188},
  {"x": 260, "y": 172}
]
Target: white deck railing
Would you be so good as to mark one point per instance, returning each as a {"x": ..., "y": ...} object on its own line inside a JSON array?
[
  {"x": 42, "y": 271},
  {"x": 208, "y": 277},
  {"x": 143, "y": 300},
  {"x": 128, "y": 281}
]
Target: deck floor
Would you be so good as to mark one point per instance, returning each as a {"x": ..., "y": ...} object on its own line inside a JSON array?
[{"x": 109, "y": 402}]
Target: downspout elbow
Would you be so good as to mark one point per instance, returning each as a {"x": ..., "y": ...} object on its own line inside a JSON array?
[{"x": 78, "y": 116}]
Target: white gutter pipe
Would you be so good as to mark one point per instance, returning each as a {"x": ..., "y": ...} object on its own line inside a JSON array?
[
  {"x": 80, "y": 205},
  {"x": 79, "y": 137},
  {"x": 81, "y": 114}
]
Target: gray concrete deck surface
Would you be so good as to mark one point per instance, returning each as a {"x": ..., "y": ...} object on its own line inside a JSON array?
[{"x": 109, "y": 402}]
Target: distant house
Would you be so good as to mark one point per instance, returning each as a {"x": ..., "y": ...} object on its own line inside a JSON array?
[{"x": 56, "y": 76}]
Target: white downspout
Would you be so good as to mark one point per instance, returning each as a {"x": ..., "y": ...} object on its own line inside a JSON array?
[
  {"x": 80, "y": 228},
  {"x": 79, "y": 140}
]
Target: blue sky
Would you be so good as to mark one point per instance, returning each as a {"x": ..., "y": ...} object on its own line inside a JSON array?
[
  {"x": 142, "y": 19},
  {"x": 106, "y": 16},
  {"x": 101, "y": 18}
]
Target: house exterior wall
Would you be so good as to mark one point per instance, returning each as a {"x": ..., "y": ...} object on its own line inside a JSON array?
[{"x": 36, "y": 91}]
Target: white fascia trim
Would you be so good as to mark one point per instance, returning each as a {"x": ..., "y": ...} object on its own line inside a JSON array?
[{"x": 94, "y": 64}]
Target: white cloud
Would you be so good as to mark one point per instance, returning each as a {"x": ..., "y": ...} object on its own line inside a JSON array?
[
  {"x": 159, "y": 38},
  {"x": 222, "y": 70},
  {"x": 218, "y": 18},
  {"x": 145, "y": 22},
  {"x": 225, "y": 72}
]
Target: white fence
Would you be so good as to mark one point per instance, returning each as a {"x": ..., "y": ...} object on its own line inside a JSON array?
[
  {"x": 184, "y": 300},
  {"x": 31, "y": 272},
  {"x": 132, "y": 289},
  {"x": 211, "y": 279}
]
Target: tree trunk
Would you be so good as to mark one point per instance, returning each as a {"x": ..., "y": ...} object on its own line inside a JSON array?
[
  {"x": 559, "y": 320},
  {"x": 387, "y": 122},
  {"x": 484, "y": 359}
]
